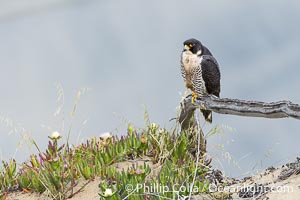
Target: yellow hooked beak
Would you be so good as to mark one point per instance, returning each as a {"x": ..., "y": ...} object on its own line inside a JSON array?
[{"x": 186, "y": 47}]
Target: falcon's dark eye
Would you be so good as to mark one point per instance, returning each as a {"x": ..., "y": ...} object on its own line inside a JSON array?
[{"x": 191, "y": 45}]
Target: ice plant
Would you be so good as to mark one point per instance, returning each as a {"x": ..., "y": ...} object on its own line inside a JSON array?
[
  {"x": 55, "y": 136},
  {"x": 105, "y": 136},
  {"x": 130, "y": 129},
  {"x": 154, "y": 127},
  {"x": 161, "y": 130},
  {"x": 140, "y": 171},
  {"x": 143, "y": 140},
  {"x": 105, "y": 139},
  {"x": 108, "y": 193}
]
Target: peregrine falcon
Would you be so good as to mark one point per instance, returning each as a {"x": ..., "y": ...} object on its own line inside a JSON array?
[{"x": 200, "y": 71}]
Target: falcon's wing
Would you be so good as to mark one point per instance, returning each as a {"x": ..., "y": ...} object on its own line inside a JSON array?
[{"x": 211, "y": 74}]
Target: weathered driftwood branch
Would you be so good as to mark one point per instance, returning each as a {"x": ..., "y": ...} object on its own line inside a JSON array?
[{"x": 280, "y": 109}]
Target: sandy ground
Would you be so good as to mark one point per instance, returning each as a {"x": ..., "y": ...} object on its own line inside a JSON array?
[
  {"x": 89, "y": 192},
  {"x": 274, "y": 183}
]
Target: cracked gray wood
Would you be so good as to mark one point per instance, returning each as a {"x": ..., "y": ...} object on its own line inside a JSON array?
[{"x": 280, "y": 109}]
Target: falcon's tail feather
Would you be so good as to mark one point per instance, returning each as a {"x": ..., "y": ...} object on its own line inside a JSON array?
[{"x": 207, "y": 115}]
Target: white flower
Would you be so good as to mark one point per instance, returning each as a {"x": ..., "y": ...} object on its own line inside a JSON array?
[
  {"x": 55, "y": 135},
  {"x": 108, "y": 193},
  {"x": 105, "y": 136},
  {"x": 161, "y": 130},
  {"x": 154, "y": 126}
]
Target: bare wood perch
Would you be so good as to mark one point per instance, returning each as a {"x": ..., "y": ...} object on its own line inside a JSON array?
[{"x": 280, "y": 109}]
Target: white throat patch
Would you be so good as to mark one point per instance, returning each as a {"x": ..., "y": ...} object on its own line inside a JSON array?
[{"x": 189, "y": 60}]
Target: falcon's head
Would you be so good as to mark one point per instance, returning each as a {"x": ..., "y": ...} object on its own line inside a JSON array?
[{"x": 193, "y": 46}]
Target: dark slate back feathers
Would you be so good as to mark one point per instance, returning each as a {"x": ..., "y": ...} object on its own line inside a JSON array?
[{"x": 211, "y": 74}]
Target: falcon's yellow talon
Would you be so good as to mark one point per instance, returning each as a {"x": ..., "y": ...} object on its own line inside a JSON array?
[{"x": 194, "y": 96}]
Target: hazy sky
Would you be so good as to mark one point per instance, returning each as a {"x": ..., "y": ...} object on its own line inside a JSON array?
[{"x": 127, "y": 54}]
